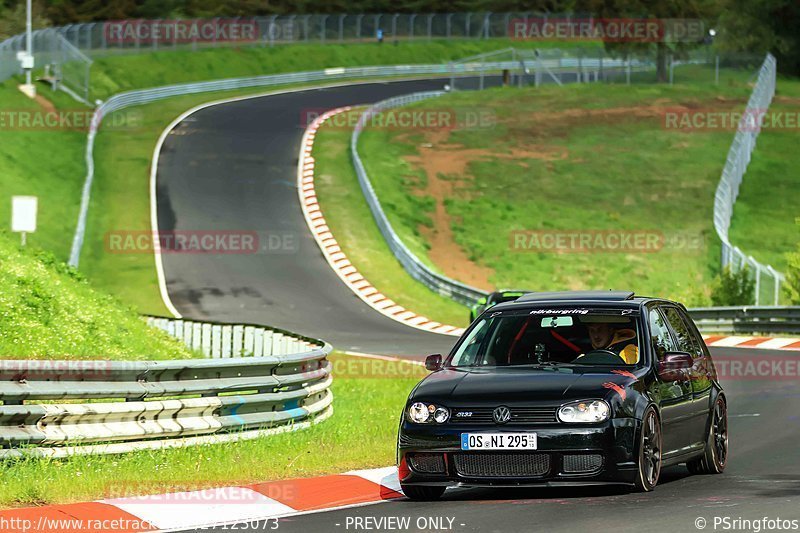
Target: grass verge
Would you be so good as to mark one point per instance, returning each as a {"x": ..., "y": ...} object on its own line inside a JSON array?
[
  {"x": 350, "y": 220},
  {"x": 47, "y": 311},
  {"x": 359, "y": 435},
  {"x": 42, "y": 161},
  {"x": 763, "y": 223}
]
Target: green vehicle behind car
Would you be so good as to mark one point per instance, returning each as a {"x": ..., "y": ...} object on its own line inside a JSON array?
[{"x": 492, "y": 299}]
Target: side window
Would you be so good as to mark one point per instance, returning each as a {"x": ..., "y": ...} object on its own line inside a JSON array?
[
  {"x": 686, "y": 339},
  {"x": 659, "y": 335}
]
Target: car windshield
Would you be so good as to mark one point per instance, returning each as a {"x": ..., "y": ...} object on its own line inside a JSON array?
[{"x": 551, "y": 336}]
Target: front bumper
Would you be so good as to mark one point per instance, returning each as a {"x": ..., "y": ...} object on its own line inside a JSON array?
[{"x": 559, "y": 446}]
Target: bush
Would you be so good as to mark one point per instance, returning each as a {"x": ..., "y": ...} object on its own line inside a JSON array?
[
  {"x": 733, "y": 288},
  {"x": 792, "y": 286}
]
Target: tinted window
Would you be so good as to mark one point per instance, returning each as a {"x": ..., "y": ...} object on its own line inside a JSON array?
[
  {"x": 659, "y": 335},
  {"x": 686, "y": 339},
  {"x": 576, "y": 336}
]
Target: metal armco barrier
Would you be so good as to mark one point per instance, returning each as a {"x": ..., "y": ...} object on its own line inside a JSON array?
[
  {"x": 116, "y": 406},
  {"x": 233, "y": 340},
  {"x": 759, "y": 319}
]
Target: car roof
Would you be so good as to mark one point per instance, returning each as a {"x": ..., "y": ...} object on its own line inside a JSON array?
[{"x": 627, "y": 299}]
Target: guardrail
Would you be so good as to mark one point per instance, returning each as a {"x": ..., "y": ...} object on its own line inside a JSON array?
[
  {"x": 218, "y": 340},
  {"x": 744, "y": 142},
  {"x": 757, "y": 319},
  {"x": 114, "y": 406}
]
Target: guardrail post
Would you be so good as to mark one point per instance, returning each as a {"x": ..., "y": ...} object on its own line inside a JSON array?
[
  {"x": 206, "y": 342},
  {"x": 249, "y": 341},
  {"x": 226, "y": 342},
  {"x": 238, "y": 338},
  {"x": 277, "y": 344},
  {"x": 267, "y": 349}
]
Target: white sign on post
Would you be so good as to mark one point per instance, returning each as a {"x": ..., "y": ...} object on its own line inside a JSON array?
[{"x": 23, "y": 215}]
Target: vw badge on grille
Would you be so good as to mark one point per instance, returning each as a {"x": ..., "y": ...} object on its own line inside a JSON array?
[{"x": 501, "y": 414}]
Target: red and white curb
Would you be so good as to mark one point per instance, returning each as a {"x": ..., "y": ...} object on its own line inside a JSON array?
[
  {"x": 333, "y": 253},
  {"x": 758, "y": 343},
  {"x": 210, "y": 507}
]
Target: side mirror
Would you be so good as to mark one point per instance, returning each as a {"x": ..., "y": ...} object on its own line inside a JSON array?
[
  {"x": 675, "y": 366},
  {"x": 433, "y": 362}
]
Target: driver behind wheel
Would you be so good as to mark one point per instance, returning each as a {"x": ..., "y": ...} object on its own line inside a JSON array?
[{"x": 604, "y": 336}]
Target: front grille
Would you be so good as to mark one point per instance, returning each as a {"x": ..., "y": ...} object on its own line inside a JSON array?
[
  {"x": 581, "y": 464},
  {"x": 519, "y": 415},
  {"x": 502, "y": 464},
  {"x": 427, "y": 463}
]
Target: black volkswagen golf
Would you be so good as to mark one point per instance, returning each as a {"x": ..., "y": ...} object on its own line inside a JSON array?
[{"x": 564, "y": 388}]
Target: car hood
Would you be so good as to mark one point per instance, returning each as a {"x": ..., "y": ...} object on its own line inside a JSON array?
[{"x": 471, "y": 386}]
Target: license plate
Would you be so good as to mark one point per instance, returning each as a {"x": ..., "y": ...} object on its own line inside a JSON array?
[{"x": 498, "y": 441}]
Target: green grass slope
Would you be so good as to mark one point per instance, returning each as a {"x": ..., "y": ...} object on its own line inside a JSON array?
[
  {"x": 47, "y": 311},
  {"x": 588, "y": 158},
  {"x": 43, "y": 162}
]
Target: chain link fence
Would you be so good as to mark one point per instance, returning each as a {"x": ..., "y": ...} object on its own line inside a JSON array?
[{"x": 767, "y": 279}]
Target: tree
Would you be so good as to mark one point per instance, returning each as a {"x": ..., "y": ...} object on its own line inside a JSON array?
[
  {"x": 12, "y": 19},
  {"x": 702, "y": 10},
  {"x": 762, "y": 26}
]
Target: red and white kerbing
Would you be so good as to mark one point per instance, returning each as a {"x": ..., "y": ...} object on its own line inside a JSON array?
[{"x": 333, "y": 253}]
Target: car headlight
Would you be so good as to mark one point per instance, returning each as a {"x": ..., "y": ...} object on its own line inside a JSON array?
[
  {"x": 423, "y": 413},
  {"x": 589, "y": 411}
]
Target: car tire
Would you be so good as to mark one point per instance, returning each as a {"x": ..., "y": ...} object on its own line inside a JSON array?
[
  {"x": 422, "y": 494},
  {"x": 715, "y": 456},
  {"x": 649, "y": 452}
]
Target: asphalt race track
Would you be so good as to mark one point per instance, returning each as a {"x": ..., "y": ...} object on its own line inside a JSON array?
[
  {"x": 762, "y": 480},
  {"x": 232, "y": 167}
]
